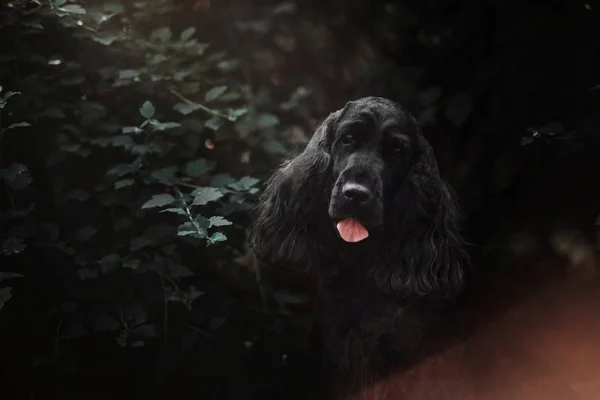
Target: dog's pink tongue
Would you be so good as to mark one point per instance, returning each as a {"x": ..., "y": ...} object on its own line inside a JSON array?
[{"x": 351, "y": 230}]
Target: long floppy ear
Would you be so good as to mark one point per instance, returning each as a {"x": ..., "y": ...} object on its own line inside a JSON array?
[
  {"x": 292, "y": 209},
  {"x": 431, "y": 257}
]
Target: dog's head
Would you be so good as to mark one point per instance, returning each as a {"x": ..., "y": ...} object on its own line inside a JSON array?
[
  {"x": 369, "y": 176},
  {"x": 373, "y": 143}
]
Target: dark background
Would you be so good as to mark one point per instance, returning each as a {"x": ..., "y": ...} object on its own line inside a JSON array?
[{"x": 110, "y": 301}]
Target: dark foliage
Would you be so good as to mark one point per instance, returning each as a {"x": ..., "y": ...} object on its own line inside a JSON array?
[{"x": 134, "y": 137}]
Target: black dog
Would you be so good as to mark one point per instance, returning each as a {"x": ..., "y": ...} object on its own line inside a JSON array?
[{"x": 364, "y": 207}]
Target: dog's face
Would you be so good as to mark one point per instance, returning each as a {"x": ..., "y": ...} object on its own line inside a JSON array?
[{"x": 373, "y": 144}]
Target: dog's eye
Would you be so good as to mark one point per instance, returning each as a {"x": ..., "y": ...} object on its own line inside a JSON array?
[{"x": 347, "y": 139}]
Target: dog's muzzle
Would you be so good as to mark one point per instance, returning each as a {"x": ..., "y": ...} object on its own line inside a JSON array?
[{"x": 358, "y": 201}]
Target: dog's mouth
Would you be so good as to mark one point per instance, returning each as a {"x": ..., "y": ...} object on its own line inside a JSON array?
[{"x": 351, "y": 230}]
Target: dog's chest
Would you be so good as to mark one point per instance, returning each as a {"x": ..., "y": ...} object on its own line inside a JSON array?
[{"x": 353, "y": 303}]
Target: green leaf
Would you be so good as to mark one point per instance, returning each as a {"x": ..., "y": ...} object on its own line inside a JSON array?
[
  {"x": 159, "y": 200},
  {"x": 526, "y": 140},
  {"x": 16, "y": 175},
  {"x": 75, "y": 148},
  {"x": 18, "y": 125},
  {"x": 191, "y": 87},
  {"x": 216, "y": 238},
  {"x": 58, "y": 3},
  {"x": 12, "y": 171},
  {"x": 100, "y": 141},
  {"x": 221, "y": 180},
  {"x": 104, "y": 38},
  {"x": 179, "y": 271},
  {"x": 86, "y": 273},
  {"x": 218, "y": 221},
  {"x": 179, "y": 211},
  {"x": 122, "y": 223},
  {"x": 142, "y": 149},
  {"x": 298, "y": 94},
  {"x": 202, "y": 222},
  {"x": 147, "y": 110},
  {"x": 131, "y": 129},
  {"x": 244, "y": 184},
  {"x": 9, "y": 275},
  {"x": 124, "y": 169},
  {"x": 163, "y": 126},
  {"x": 162, "y": 34},
  {"x": 73, "y": 9},
  {"x": 139, "y": 242},
  {"x": 123, "y": 183},
  {"x": 166, "y": 176},
  {"x": 12, "y": 245},
  {"x": 84, "y": 234},
  {"x": 230, "y": 97},
  {"x": 198, "y": 167},
  {"x": 5, "y": 295},
  {"x": 185, "y": 297},
  {"x": 186, "y": 108},
  {"x": 145, "y": 331},
  {"x": 189, "y": 229},
  {"x": 188, "y": 232},
  {"x": 122, "y": 141},
  {"x": 552, "y": 129},
  {"x": 110, "y": 262},
  {"x": 10, "y": 94},
  {"x": 266, "y": 120},
  {"x": 234, "y": 113},
  {"x": 214, "y": 93},
  {"x": 129, "y": 73},
  {"x": 245, "y": 126},
  {"x": 205, "y": 195},
  {"x": 187, "y": 33},
  {"x": 214, "y": 123},
  {"x": 132, "y": 263},
  {"x": 273, "y": 146}
]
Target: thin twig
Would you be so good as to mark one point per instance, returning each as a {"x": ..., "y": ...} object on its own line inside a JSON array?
[
  {"x": 171, "y": 281},
  {"x": 189, "y": 185},
  {"x": 199, "y": 106},
  {"x": 192, "y": 186},
  {"x": 196, "y": 329},
  {"x": 188, "y": 212}
]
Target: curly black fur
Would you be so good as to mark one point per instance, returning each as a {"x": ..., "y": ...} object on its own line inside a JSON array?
[{"x": 379, "y": 297}]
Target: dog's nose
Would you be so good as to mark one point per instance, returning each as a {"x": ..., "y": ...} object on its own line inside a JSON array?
[{"x": 356, "y": 192}]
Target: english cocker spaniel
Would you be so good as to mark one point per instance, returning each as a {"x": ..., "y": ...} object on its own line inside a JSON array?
[{"x": 364, "y": 208}]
